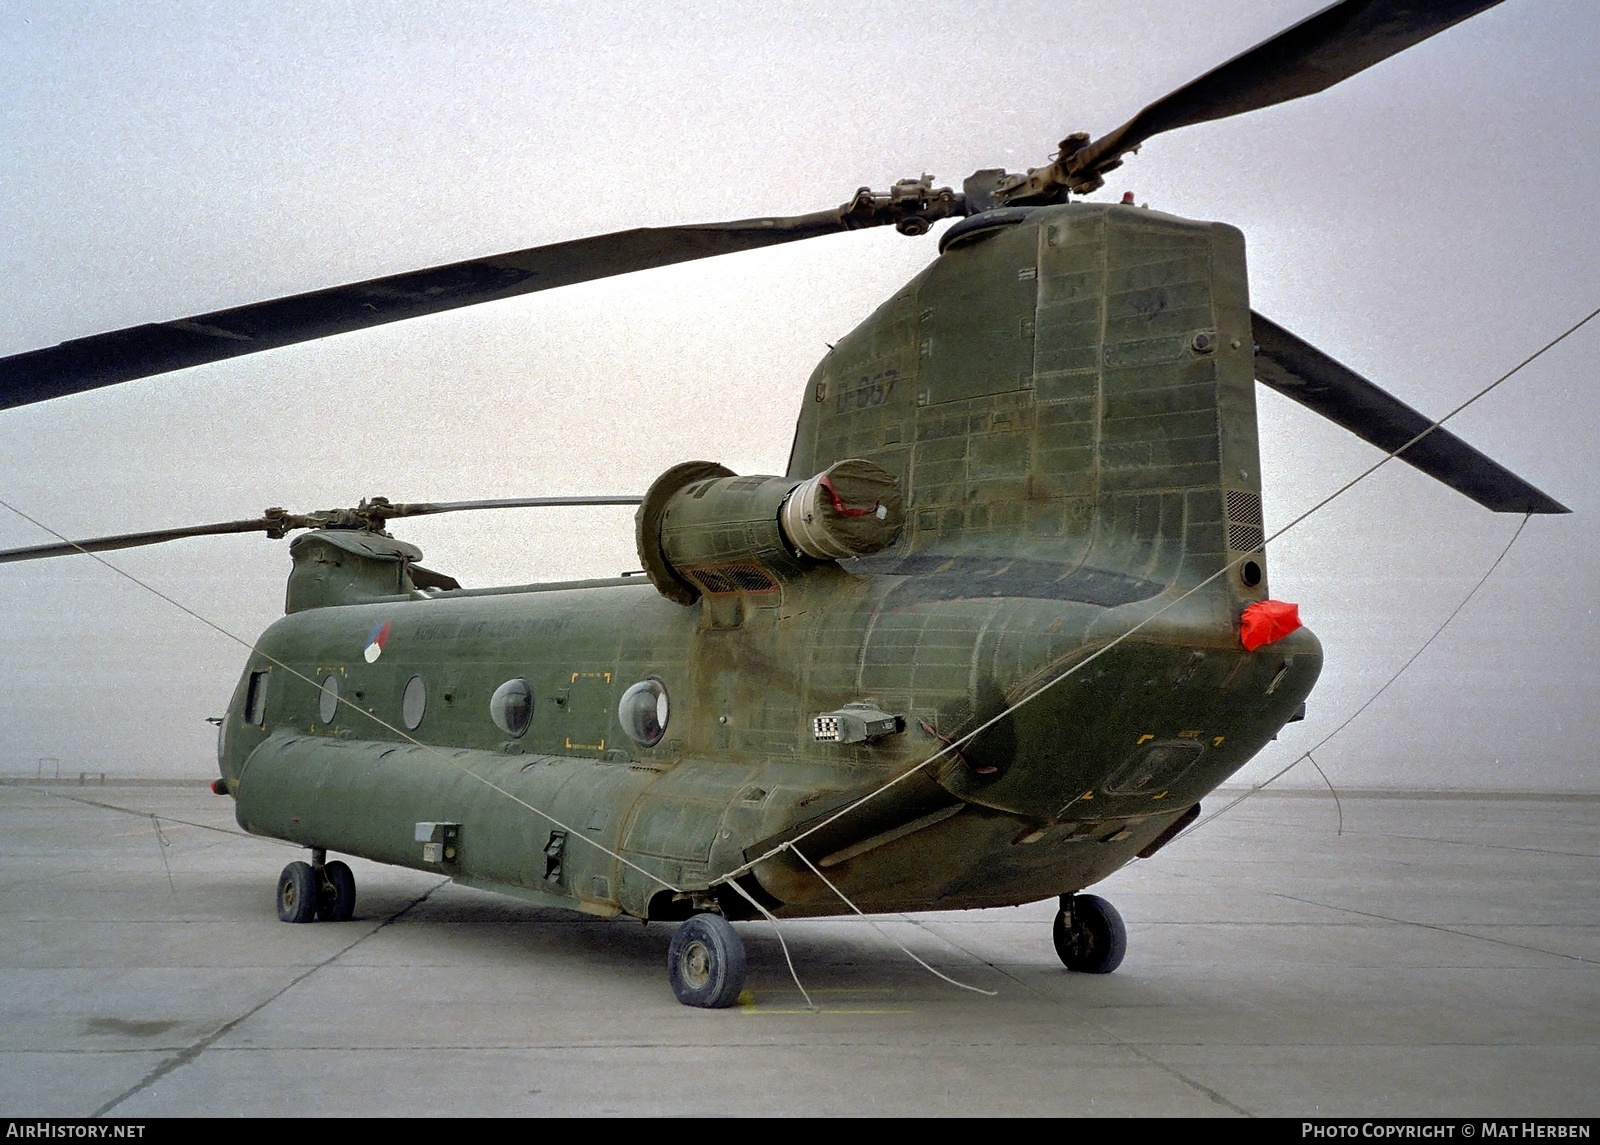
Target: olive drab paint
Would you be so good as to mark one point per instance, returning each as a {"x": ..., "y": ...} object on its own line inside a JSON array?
[
  {"x": 1063, "y": 407},
  {"x": 1011, "y": 584}
]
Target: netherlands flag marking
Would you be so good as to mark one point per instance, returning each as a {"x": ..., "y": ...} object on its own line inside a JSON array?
[{"x": 377, "y": 641}]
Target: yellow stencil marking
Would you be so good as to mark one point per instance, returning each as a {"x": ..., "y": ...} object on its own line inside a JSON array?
[{"x": 601, "y": 746}]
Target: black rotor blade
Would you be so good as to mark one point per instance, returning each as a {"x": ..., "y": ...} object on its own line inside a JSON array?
[
  {"x": 1313, "y": 55},
  {"x": 134, "y": 540},
  {"x": 1298, "y": 370},
  {"x": 427, "y": 508},
  {"x": 140, "y": 351},
  {"x": 276, "y": 523}
]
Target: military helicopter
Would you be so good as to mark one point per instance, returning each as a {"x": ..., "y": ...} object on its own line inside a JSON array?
[{"x": 1043, "y": 443}]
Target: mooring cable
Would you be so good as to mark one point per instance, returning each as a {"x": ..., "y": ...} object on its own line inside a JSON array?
[
  {"x": 1456, "y": 611},
  {"x": 946, "y": 749}
]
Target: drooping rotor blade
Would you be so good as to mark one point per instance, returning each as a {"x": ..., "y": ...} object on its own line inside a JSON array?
[
  {"x": 1313, "y": 55},
  {"x": 276, "y": 523},
  {"x": 155, "y": 348},
  {"x": 1298, "y": 370},
  {"x": 426, "y": 508},
  {"x": 135, "y": 540}
]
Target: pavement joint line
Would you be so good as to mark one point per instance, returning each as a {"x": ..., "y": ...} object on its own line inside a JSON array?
[
  {"x": 1492, "y": 846},
  {"x": 1439, "y": 927},
  {"x": 791, "y": 1044},
  {"x": 189, "y": 1054},
  {"x": 1116, "y": 1038},
  {"x": 762, "y": 1043}
]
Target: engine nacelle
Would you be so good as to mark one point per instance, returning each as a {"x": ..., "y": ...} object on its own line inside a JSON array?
[{"x": 701, "y": 529}]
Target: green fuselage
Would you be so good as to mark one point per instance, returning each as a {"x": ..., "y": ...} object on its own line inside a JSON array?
[{"x": 1067, "y": 405}]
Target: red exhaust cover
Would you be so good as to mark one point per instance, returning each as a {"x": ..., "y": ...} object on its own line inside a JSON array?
[{"x": 1266, "y": 621}]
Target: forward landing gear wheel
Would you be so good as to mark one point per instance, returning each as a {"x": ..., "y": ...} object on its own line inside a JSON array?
[
  {"x": 297, "y": 893},
  {"x": 1089, "y": 934},
  {"x": 337, "y": 900},
  {"x": 705, "y": 963}
]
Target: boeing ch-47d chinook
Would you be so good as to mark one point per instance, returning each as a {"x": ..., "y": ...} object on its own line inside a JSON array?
[{"x": 998, "y": 629}]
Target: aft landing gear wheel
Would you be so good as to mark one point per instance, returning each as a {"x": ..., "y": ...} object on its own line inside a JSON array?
[
  {"x": 297, "y": 893},
  {"x": 705, "y": 963},
  {"x": 1089, "y": 935},
  {"x": 336, "y": 901}
]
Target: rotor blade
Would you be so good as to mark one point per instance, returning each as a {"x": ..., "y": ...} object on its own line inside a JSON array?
[
  {"x": 370, "y": 514},
  {"x": 140, "y": 351},
  {"x": 1315, "y": 54},
  {"x": 134, "y": 540},
  {"x": 1298, "y": 370},
  {"x": 424, "y": 509}
]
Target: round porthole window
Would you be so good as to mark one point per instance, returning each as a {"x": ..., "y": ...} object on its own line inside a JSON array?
[
  {"x": 328, "y": 706},
  {"x": 643, "y": 712},
  {"x": 414, "y": 703},
  {"x": 511, "y": 706}
]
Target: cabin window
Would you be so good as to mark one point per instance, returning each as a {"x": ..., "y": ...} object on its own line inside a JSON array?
[
  {"x": 328, "y": 707},
  {"x": 255, "y": 699},
  {"x": 414, "y": 703},
  {"x": 511, "y": 706},
  {"x": 643, "y": 712}
]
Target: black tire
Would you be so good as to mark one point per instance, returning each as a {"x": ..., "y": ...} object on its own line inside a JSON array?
[
  {"x": 336, "y": 901},
  {"x": 297, "y": 893},
  {"x": 1091, "y": 939},
  {"x": 705, "y": 962}
]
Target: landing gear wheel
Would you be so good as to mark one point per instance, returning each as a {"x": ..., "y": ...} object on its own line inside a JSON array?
[
  {"x": 705, "y": 963},
  {"x": 1089, "y": 934},
  {"x": 297, "y": 893},
  {"x": 336, "y": 901}
]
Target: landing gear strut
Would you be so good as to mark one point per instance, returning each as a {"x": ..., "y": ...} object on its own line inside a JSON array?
[
  {"x": 705, "y": 962},
  {"x": 316, "y": 890},
  {"x": 336, "y": 901},
  {"x": 1089, "y": 935}
]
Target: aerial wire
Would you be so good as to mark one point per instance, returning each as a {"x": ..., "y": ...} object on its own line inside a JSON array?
[
  {"x": 778, "y": 930},
  {"x": 373, "y": 716},
  {"x": 161, "y": 845},
  {"x": 1334, "y": 791},
  {"x": 829, "y": 884},
  {"x": 1320, "y": 744},
  {"x": 955, "y": 745}
]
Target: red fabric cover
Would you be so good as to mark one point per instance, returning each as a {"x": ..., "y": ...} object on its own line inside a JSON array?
[
  {"x": 838, "y": 503},
  {"x": 1266, "y": 621}
]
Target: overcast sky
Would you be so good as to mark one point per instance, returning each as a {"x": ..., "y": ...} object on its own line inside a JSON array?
[{"x": 1430, "y": 223}]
